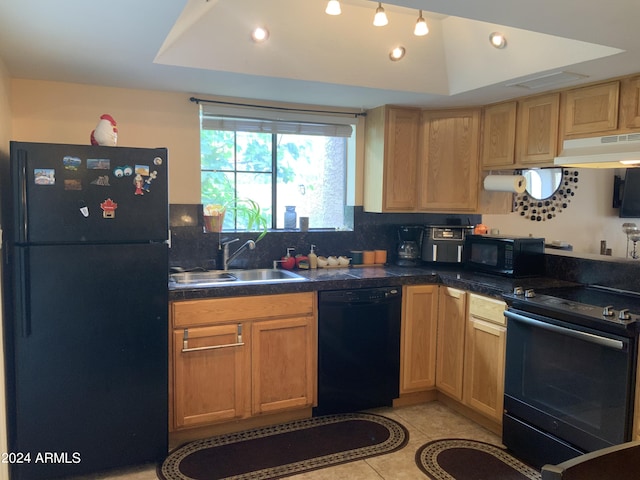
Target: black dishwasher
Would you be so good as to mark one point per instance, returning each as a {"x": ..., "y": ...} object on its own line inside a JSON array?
[{"x": 358, "y": 349}]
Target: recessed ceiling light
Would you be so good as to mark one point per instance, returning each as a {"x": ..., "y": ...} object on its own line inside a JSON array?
[
  {"x": 397, "y": 53},
  {"x": 498, "y": 40},
  {"x": 259, "y": 34}
]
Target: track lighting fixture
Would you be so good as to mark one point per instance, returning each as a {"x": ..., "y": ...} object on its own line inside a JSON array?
[
  {"x": 333, "y": 8},
  {"x": 380, "y": 19},
  {"x": 421, "y": 27}
]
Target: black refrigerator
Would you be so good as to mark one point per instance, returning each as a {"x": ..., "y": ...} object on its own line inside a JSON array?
[{"x": 85, "y": 307}]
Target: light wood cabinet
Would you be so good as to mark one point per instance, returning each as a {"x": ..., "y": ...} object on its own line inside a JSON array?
[
  {"x": 391, "y": 156},
  {"x": 499, "y": 136},
  {"x": 233, "y": 358},
  {"x": 537, "y": 130},
  {"x": 630, "y": 103},
  {"x": 591, "y": 110},
  {"x": 485, "y": 356},
  {"x": 283, "y": 364},
  {"x": 210, "y": 374},
  {"x": 450, "y": 341},
  {"x": 418, "y": 338},
  {"x": 448, "y": 170}
]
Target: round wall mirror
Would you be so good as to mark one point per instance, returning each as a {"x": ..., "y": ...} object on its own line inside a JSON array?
[
  {"x": 542, "y": 183},
  {"x": 549, "y": 191}
]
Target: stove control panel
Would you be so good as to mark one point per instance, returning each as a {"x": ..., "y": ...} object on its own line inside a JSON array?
[{"x": 620, "y": 316}]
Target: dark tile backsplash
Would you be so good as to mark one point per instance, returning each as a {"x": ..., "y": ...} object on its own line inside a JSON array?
[{"x": 190, "y": 247}]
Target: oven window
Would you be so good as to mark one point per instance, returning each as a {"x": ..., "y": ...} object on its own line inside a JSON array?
[
  {"x": 484, "y": 254},
  {"x": 577, "y": 382}
]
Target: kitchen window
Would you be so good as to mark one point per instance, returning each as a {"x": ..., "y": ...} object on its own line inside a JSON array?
[{"x": 280, "y": 161}]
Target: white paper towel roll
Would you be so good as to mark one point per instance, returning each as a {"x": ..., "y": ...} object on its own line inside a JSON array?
[{"x": 505, "y": 183}]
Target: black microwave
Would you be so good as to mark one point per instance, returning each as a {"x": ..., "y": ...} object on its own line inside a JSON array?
[{"x": 509, "y": 256}]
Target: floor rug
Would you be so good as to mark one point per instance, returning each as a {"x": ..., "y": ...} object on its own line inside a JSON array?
[
  {"x": 470, "y": 460},
  {"x": 286, "y": 449}
]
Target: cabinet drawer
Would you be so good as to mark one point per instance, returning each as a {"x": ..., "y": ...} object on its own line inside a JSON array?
[
  {"x": 221, "y": 310},
  {"x": 487, "y": 308}
]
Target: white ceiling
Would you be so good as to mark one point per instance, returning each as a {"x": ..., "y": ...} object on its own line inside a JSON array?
[{"x": 202, "y": 47}]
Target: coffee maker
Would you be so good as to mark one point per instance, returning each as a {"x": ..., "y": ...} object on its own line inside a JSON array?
[{"x": 409, "y": 247}]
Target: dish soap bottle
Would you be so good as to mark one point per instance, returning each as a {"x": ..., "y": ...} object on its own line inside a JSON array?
[{"x": 313, "y": 258}]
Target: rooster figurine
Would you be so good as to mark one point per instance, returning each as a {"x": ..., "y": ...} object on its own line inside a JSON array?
[{"x": 106, "y": 132}]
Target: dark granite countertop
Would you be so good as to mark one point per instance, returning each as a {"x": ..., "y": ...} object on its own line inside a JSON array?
[{"x": 366, "y": 277}]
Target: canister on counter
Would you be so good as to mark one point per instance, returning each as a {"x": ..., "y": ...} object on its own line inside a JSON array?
[
  {"x": 380, "y": 256},
  {"x": 368, "y": 257}
]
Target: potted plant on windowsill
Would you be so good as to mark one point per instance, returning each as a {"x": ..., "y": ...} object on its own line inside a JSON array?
[{"x": 245, "y": 208}]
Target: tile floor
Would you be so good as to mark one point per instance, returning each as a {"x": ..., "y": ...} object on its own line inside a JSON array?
[{"x": 425, "y": 422}]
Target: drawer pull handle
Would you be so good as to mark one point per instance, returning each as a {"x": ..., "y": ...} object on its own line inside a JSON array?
[{"x": 185, "y": 342}]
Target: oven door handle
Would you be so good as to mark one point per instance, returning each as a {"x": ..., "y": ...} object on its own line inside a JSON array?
[{"x": 587, "y": 337}]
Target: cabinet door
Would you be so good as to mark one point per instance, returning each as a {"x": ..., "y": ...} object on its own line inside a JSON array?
[
  {"x": 450, "y": 343},
  {"x": 211, "y": 380},
  {"x": 537, "y": 130},
  {"x": 449, "y": 161},
  {"x": 499, "y": 135},
  {"x": 401, "y": 156},
  {"x": 484, "y": 367},
  {"x": 284, "y": 364},
  {"x": 630, "y": 103},
  {"x": 590, "y": 110},
  {"x": 418, "y": 339}
]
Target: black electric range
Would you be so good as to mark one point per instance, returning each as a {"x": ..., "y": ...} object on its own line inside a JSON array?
[{"x": 592, "y": 306}]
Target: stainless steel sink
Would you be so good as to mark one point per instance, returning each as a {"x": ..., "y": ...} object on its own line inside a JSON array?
[
  {"x": 234, "y": 277},
  {"x": 266, "y": 275},
  {"x": 201, "y": 278}
]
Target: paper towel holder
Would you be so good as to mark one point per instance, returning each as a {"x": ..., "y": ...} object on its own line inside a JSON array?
[{"x": 542, "y": 209}]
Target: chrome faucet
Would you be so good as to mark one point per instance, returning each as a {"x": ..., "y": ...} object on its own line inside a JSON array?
[{"x": 227, "y": 259}]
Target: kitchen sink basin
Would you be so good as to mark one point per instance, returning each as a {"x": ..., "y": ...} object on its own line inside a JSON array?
[
  {"x": 201, "y": 278},
  {"x": 212, "y": 278},
  {"x": 266, "y": 275}
]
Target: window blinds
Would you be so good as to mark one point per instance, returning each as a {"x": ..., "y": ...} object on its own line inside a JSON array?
[{"x": 215, "y": 117}]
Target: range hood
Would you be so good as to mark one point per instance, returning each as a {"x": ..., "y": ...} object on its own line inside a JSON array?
[{"x": 613, "y": 151}]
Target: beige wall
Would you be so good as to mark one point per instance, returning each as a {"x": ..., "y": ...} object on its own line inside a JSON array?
[
  {"x": 67, "y": 113},
  {"x": 589, "y": 218},
  {"x": 5, "y": 135}
]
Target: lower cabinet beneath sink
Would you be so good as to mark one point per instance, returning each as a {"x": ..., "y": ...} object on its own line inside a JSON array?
[{"x": 238, "y": 358}]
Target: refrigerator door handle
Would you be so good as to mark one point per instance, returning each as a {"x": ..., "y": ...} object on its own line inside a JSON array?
[
  {"x": 24, "y": 299},
  {"x": 22, "y": 216}
]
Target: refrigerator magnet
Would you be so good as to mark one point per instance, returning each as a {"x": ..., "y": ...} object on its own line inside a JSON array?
[
  {"x": 142, "y": 170},
  {"x": 72, "y": 184},
  {"x": 122, "y": 171},
  {"x": 44, "y": 176},
  {"x": 138, "y": 182},
  {"x": 84, "y": 210},
  {"x": 71, "y": 163},
  {"x": 102, "y": 181},
  {"x": 98, "y": 163},
  {"x": 108, "y": 208},
  {"x": 147, "y": 181},
  {"x": 157, "y": 161}
]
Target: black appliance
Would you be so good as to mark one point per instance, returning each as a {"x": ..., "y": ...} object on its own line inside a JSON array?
[
  {"x": 444, "y": 244},
  {"x": 85, "y": 297},
  {"x": 410, "y": 241},
  {"x": 570, "y": 371},
  {"x": 509, "y": 256},
  {"x": 358, "y": 349},
  {"x": 629, "y": 194}
]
